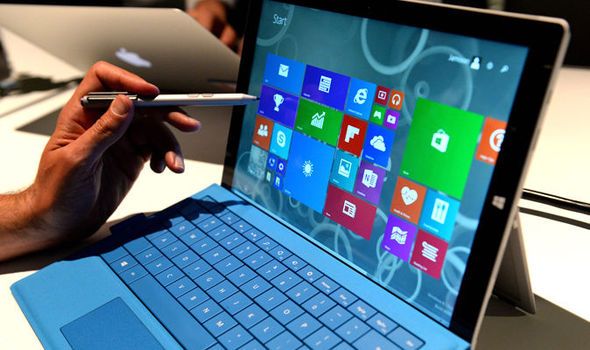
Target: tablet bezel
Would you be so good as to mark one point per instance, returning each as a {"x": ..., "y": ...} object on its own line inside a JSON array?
[{"x": 546, "y": 39}]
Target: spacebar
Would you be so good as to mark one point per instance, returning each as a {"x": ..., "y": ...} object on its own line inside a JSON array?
[{"x": 183, "y": 326}]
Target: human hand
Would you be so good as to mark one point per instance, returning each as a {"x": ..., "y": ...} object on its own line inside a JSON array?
[
  {"x": 212, "y": 14},
  {"x": 92, "y": 159}
]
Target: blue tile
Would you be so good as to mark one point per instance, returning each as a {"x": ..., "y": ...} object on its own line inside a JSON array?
[
  {"x": 334, "y": 317},
  {"x": 206, "y": 310},
  {"x": 137, "y": 245},
  {"x": 209, "y": 224},
  {"x": 133, "y": 274},
  {"x": 271, "y": 299},
  {"x": 228, "y": 265},
  {"x": 295, "y": 263},
  {"x": 181, "y": 228},
  {"x": 220, "y": 324},
  {"x": 310, "y": 274},
  {"x": 352, "y": 329},
  {"x": 241, "y": 226},
  {"x": 221, "y": 232},
  {"x": 283, "y": 341},
  {"x": 174, "y": 249},
  {"x": 181, "y": 287},
  {"x": 343, "y": 297},
  {"x": 236, "y": 303},
  {"x": 184, "y": 259},
  {"x": 374, "y": 340},
  {"x": 251, "y": 315},
  {"x": 215, "y": 255},
  {"x": 114, "y": 255},
  {"x": 266, "y": 244},
  {"x": 304, "y": 325},
  {"x": 322, "y": 339},
  {"x": 209, "y": 279},
  {"x": 272, "y": 269},
  {"x": 257, "y": 259},
  {"x": 382, "y": 324},
  {"x": 326, "y": 285},
  {"x": 255, "y": 287},
  {"x": 241, "y": 275},
  {"x": 204, "y": 245},
  {"x": 286, "y": 312},
  {"x": 232, "y": 241},
  {"x": 164, "y": 240},
  {"x": 253, "y": 345},
  {"x": 123, "y": 264},
  {"x": 193, "y": 298},
  {"x": 228, "y": 217},
  {"x": 280, "y": 253},
  {"x": 221, "y": 291},
  {"x": 159, "y": 265},
  {"x": 266, "y": 329},
  {"x": 253, "y": 234},
  {"x": 318, "y": 304},
  {"x": 192, "y": 237},
  {"x": 147, "y": 256},
  {"x": 405, "y": 339},
  {"x": 197, "y": 268},
  {"x": 235, "y": 338},
  {"x": 170, "y": 275},
  {"x": 362, "y": 310},
  {"x": 245, "y": 250},
  {"x": 302, "y": 292},
  {"x": 286, "y": 281}
]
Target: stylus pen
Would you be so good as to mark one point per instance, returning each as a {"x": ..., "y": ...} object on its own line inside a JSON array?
[{"x": 104, "y": 99}]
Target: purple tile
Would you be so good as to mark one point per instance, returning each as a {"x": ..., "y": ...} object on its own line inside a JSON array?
[
  {"x": 391, "y": 119},
  {"x": 369, "y": 181},
  {"x": 325, "y": 87},
  {"x": 278, "y": 105},
  {"x": 398, "y": 237}
]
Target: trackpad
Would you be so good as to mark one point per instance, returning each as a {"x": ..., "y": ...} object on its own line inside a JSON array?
[{"x": 111, "y": 326}]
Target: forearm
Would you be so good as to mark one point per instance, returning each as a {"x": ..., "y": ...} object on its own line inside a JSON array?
[{"x": 18, "y": 225}]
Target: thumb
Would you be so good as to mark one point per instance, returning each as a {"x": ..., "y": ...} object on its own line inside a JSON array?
[{"x": 109, "y": 128}]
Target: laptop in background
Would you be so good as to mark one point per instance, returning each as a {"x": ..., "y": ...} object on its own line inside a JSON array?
[
  {"x": 165, "y": 46},
  {"x": 365, "y": 202}
]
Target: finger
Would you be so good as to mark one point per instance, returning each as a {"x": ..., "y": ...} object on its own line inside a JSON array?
[
  {"x": 105, "y": 76},
  {"x": 229, "y": 37},
  {"x": 107, "y": 129},
  {"x": 164, "y": 146},
  {"x": 173, "y": 116}
]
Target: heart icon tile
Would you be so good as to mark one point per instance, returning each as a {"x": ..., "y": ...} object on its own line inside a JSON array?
[{"x": 409, "y": 195}]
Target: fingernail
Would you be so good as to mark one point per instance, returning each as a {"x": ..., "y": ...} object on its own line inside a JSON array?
[
  {"x": 119, "y": 107},
  {"x": 179, "y": 162}
]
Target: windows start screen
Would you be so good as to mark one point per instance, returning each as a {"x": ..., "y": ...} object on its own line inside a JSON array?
[{"x": 325, "y": 139}]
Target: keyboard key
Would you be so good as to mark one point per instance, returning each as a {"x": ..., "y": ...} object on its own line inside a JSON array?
[
  {"x": 271, "y": 299},
  {"x": 196, "y": 269},
  {"x": 147, "y": 256},
  {"x": 133, "y": 274},
  {"x": 287, "y": 280},
  {"x": 302, "y": 292},
  {"x": 374, "y": 341},
  {"x": 343, "y": 346},
  {"x": 334, "y": 317},
  {"x": 361, "y": 310},
  {"x": 272, "y": 269},
  {"x": 137, "y": 246},
  {"x": 174, "y": 249},
  {"x": 280, "y": 253},
  {"x": 206, "y": 310},
  {"x": 209, "y": 224},
  {"x": 220, "y": 324},
  {"x": 204, "y": 245},
  {"x": 257, "y": 259},
  {"x": 405, "y": 339},
  {"x": 164, "y": 240},
  {"x": 253, "y": 235},
  {"x": 241, "y": 275},
  {"x": 114, "y": 255},
  {"x": 209, "y": 279},
  {"x": 318, "y": 304},
  {"x": 343, "y": 297},
  {"x": 215, "y": 255},
  {"x": 286, "y": 312},
  {"x": 245, "y": 250},
  {"x": 253, "y": 345},
  {"x": 284, "y": 341},
  {"x": 184, "y": 259},
  {"x": 352, "y": 330},
  {"x": 266, "y": 329},
  {"x": 181, "y": 287},
  {"x": 221, "y": 291},
  {"x": 221, "y": 232},
  {"x": 228, "y": 217},
  {"x": 189, "y": 333},
  {"x": 322, "y": 339},
  {"x": 255, "y": 287},
  {"x": 232, "y": 241},
  {"x": 192, "y": 237},
  {"x": 159, "y": 265},
  {"x": 241, "y": 226},
  {"x": 181, "y": 228},
  {"x": 304, "y": 325},
  {"x": 169, "y": 276},
  {"x": 152, "y": 236},
  {"x": 310, "y": 274},
  {"x": 228, "y": 265},
  {"x": 326, "y": 285},
  {"x": 294, "y": 263},
  {"x": 235, "y": 338},
  {"x": 251, "y": 316},
  {"x": 193, "y": 298},
  {"x": 266, "y": 244},
  {"x": 123, "y": 264},
  {"x": 382, "y": 324},
  {"x": 236, "y": 303}
]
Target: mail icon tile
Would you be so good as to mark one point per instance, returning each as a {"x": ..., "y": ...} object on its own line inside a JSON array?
[{"x": 284, "y": 74}]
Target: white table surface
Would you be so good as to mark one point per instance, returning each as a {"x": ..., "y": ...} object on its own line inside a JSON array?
[{"x": 557, "y": 252}]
